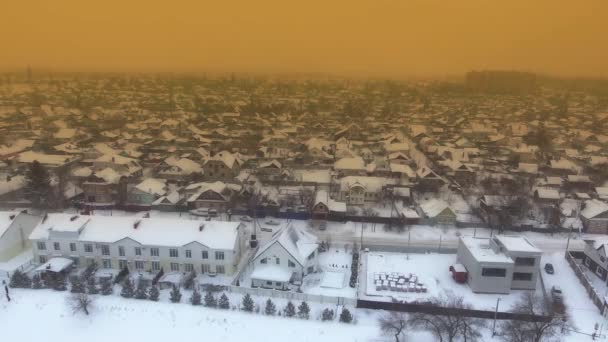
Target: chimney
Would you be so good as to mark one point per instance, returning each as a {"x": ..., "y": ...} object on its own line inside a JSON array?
[
  {"x": 201, "y": 227},
  {"x": 136, "y": 224},
  {"x": 73, "y": 218}
]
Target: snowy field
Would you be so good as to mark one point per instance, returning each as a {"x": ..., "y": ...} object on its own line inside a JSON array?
[
  {"x": 432, "y": 270},
  {"x": 141, "y": 320},
  {"x": 136, "y": 320}
]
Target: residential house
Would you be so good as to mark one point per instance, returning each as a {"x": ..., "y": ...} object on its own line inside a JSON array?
[
  {"x": 594, "y": 215},
  {"x": 286, "y": 259}
]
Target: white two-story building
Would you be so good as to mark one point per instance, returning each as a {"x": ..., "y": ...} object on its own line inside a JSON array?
[
  {"x": 290, "y": 255},
  {"x": 140, "y": 244},
  {"x": 499, "y": 264}
]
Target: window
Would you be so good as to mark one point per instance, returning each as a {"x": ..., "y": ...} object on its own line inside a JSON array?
[
  {"x": 121, "y": 251},
  {"x": 41, "y": 246},
  {"x": 310, "y": 269},
  {"x": 106, "y": 263},
  {"x": 278, "y": 261},
  {"x": 56, "y": 246},
  {"x": 188, "y": 267},
  {"x": 173, "y": 252},
  {"x": 219, "y": 269},
  {"x": 139, "y": 265},
  {"x": 42, "y": 259},
  {"x": 174, "y": 267},
  {"x": 219, "y": 255},
  {"x": 105, "y": 250},
  {"x": 600, "y": 272},
  {"x": 90, "y": 261},
  {"x": 291, "y": 264},
  {"x": 155, "y": 266},
  {"x": 264, "y": 261},
  {"x": 519, "y": 261},
  {"x": 205, "y": 268},
  {"x": 154, "y": 252},
  {"x": 88, "y": 248},
  {"x": 76, "y": 261},
  {"x": 269, "y": 283},
  {"x": 522, "y": 276},
  {"x": 122, "y": 264},
  {"x": 72, "y": 247},
  {"x": 493, "y": 272},
  {"x": 188, "y": 253},
  {"x": 587, "y": 262},
  {"x": 310, "y": 257},
  {"x": 138, "y": 251},
  {"x": 205, "y": 255}
]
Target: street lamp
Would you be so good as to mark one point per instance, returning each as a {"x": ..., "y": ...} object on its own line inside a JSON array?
[{"x": 495, "y": 315}]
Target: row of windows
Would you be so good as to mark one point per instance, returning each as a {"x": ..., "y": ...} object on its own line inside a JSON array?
[
  {"x": 105, "y": 250},
  {"x": 501, "y": 272},
  {"x": 278, "y": 262},
  {"x": 154, "y": 265}
]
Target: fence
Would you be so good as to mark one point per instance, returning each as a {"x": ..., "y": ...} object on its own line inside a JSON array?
[
  {"x": 289, "y": 295},
  {"x": 438, "y": 310},
  {"x": 596, "y": 298}
]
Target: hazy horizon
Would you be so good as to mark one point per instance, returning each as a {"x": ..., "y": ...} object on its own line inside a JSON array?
[{"x": 415, "y": 38}]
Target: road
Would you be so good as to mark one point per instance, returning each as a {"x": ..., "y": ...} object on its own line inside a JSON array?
[{"x": 401, "y": 243}]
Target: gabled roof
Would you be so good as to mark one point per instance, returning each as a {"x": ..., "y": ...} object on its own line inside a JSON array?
[{"x": 297, "y": 242}]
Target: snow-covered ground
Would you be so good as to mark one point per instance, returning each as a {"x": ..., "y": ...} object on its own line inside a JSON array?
[
  {"x": 432, "y": 270},
  {"x": 137, "y": 320},
  {"x": 43, "y": 315},
  {"x": 333, "y": 279}
]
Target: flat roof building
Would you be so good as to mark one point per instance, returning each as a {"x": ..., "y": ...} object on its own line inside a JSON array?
[{"x": 499, "y": 264}]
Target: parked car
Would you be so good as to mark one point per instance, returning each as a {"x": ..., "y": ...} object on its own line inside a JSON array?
[
  {"x": 556, "y": 294},
  {"x": 549, "y": 268}
]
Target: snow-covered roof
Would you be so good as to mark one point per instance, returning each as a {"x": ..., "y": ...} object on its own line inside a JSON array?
[
  {"x": 517, "y": 243},
  {"x": 146, "y": 231},
  {"x": 17, "y": 146},
  {"x": 296, "y": 241},
  {"x": 42, "y": 158},
  {"x": 547, "y": 193},
  {"x": 402, "y": 168},
  {"x": 6, "y": 219},
  {"x": 602, "y": 192},
  {"x": 15, "y": 183},
  {"x": 56, "y": 264},
  {"x": 482, "y": 252},
  {"x": 153, "y": 186},
  {"x": 355, "y": 163},
  {"x": 434, "y": 207},
  {"x": 593, "y": 208},
  {"x": 271, "y": 272}
]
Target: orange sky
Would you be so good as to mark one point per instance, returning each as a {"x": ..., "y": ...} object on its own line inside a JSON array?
[{"x": 371, "y": 37}]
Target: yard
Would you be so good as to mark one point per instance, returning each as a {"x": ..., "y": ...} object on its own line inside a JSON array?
[{"x": 432, "y": 271}]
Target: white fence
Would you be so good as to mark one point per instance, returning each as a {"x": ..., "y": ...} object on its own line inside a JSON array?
[{"x": 294, "y": 296}]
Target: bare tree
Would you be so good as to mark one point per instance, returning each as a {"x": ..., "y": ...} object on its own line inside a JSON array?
[
  {"x": 538, "y": 330},
  {"x": 80, "y": 302},
  {"x": 393, "y": 323},
  {"x": 450, "y": 325}
]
